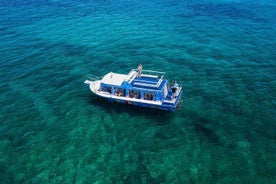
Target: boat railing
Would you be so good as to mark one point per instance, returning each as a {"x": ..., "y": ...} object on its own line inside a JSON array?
[
  {"x": 131, "y": 75},
  {"x": 160, "y": 81},
  {"x": 150, "y": 84},
  {"x": 149, "y": 73},
  {"x": 152, "y": 73}
]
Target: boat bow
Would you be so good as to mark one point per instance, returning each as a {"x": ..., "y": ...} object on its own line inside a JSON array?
[{"x": 93, "y": 85}]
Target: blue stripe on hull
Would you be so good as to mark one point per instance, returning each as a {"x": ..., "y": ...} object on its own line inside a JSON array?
[{"x": 166, "y": 107}]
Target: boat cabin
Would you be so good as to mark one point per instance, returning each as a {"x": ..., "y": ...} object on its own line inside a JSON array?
[{"x": 150, "y": 86}]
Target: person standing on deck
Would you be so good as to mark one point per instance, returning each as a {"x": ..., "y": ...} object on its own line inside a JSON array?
[
  {"x": 139, "y": 69},
  {"x": 174, "y": 88}
]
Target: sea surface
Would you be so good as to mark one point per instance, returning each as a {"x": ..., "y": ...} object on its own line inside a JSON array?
[{"x": 54, "y": 130}]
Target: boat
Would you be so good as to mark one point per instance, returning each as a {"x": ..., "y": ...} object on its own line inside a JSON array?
[{"x": 146, "y": 89}]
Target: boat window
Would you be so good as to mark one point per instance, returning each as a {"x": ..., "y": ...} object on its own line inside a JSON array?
[
  {"x": 131, "y": 93},
  {"x": 149, "y": 96},
  {"x": 104, "y": 89},
  {"x": 119, "y": 92},
  {"x": 134, "y": 94},
  {"x": 137, "y": 95}
]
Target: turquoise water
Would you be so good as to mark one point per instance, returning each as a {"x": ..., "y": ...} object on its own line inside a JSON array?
[{"x": 53, "y": 130}]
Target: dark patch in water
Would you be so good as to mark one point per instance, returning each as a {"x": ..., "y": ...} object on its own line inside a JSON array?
[
  {"x": 204, "y": 121},
  {"x": 232, "y": 145},
  {"x": 140, "y": 174},
  {"x": 207, "y": 133},
  {"x": 80, "y": 8},
  {"x": 74, "y": 50},
  {"x": 233, "y": 11}
]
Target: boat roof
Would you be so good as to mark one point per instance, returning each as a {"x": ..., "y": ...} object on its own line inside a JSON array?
[
  {"x": 146, "y": 82},
  {"x": 117, "y": 79},
  {"x": 152, "y": 80}
]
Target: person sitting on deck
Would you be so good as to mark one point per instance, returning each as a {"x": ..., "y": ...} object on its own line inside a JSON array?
[
  {"x": 174, "y": 88},
  {"x": 139, "y": 70}
]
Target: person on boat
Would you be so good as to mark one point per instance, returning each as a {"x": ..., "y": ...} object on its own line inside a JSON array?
[
  {"x": 139, "y": 69},
  {"x": 131, "y": 94},
  {"x": 116, "y": 92},
  {"x": 151, "y": 97},
  {"x": 136, "y": 95},
  {"x": 174, "y": 88},
  {"x": 146, "y": 96}
]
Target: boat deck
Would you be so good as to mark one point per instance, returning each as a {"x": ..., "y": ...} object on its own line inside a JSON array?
[
  {"x": 148, "y": 82},
  {"x": 169, "y": 98}
]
